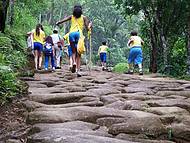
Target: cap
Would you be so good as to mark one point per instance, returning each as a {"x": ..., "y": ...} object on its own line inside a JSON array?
[{"x": 55, "y": 29}]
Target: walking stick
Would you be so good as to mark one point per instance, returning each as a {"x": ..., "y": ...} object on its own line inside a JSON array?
[{"x": 90, "y": 50}]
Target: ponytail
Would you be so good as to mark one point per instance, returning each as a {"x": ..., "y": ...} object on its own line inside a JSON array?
[{"x": 38, "y": 28}]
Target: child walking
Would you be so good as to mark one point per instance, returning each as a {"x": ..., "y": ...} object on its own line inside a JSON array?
[
  {"x": 57, "y": 41},
  {"x": 69, "y": 49},
  {"x": 78, "y": 22},
  {"x": 102, "y": 52},
  {"x": 135, "y": 55},
  {"x": 49, "y": 53}
]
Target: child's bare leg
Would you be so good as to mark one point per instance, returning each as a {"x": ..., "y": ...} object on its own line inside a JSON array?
[
  {"x": 70, "y": 61},
  {"x": 40, "y": 59},
  {"x": 105, "y": 64},
  {"x": 74, "y": 51},
  {"x": 130, "y": 67},
  {"x": 36, "y": 59},
  {"x": 78, "y": 62}
]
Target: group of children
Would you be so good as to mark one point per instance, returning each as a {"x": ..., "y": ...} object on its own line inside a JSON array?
[{"x": 52, "y": 48}]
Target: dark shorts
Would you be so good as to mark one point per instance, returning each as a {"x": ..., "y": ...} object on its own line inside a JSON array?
[
  {"x": 38, "y": 46},
  {"x": 135, "y": 56},
  {"x": 69, "y": 51},
  {"x": 103, "y": 57},
  {"x": 74, "y": 38}
]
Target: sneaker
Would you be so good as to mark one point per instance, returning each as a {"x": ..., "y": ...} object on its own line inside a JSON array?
[
  {"x": 129, "y": 72},
  {"x": 53, "y": 69},
  {"x": 103, "y": 68},
  {"x": 73, "y": 70},
  {"x": 58, "y": 68},
  {"x": 78, "y": 74},
  {"x": 140, "y": 73},
  {"x": 70, "y": 68},
  {"x": 46, "y": 69}
]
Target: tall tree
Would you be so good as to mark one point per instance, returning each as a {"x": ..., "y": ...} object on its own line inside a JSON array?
[
  {"x": 165, "y": 20},
  {"x": 3, "y": 13},
  {"x": 11, "y": 18}
]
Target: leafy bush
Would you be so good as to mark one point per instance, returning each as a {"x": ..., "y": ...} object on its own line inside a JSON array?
[
  {"x": 12, "y": 60},
  {"x": 120, "y": 68},
  {"x": 8, "y": 83},
  {"x": 178, "y": 59}
]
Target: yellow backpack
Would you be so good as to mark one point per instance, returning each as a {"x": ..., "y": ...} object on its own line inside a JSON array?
[{"x": 81, "y": 46}]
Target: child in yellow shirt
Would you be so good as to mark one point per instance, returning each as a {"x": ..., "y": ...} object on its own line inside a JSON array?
[
  {"x": 102, "y": 52},
  {"x": 135, "y": 54}
]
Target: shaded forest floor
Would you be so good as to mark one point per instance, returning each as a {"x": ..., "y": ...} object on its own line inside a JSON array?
[{"x": 13, "y": 121}]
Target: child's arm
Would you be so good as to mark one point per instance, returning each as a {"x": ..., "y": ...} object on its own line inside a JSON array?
[
  {"x": 142, "y": 42},
  {"x": 129, "y": 42},
  {"x": 64, "y": 20},
  {"x": 88, "y": 23},
  {"x": 30, "y": 32},
  {"x": 53, "y": 48}
]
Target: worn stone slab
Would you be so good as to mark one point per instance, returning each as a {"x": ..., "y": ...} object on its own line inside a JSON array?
[
  {"x": 59, "y": 97},
  {"x": 167, "y": 110},
  {"x": 169, "y": 103},
  {"x": 83, "y": 113},
  {"x": 140, "y": 138},
  {"x": 151, "y": 126}
]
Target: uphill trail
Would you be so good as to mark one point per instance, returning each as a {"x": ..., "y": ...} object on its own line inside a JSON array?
[{"x": 105, "y": 107}]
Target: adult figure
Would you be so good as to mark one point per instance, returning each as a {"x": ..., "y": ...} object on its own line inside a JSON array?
[
  {"x": 78, "y": 22},
  {"x": 57, "y": 41},
  {"x": 38, "y": 40}
]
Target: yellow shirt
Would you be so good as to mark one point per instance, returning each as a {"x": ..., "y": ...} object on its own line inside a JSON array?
[
  {"x": 136, "y": 41},
  {"x": 103, "y": 49},
  {"x": 77, "y": 24},
  {"x": 39, "y": 38},
  {"x": 66, "y": 37}
]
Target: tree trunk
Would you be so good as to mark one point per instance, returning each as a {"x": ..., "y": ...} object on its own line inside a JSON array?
[
  {"x": 11, "y": 20},
  {"x": 40, "y": 18},
  {"x": 153, "y": 59},
  {"x": 51, "y": 20},
  {"x": 188, "y": 47},
  {"x": 3, "y": 13},
  {"x": 164, "y": 47}
]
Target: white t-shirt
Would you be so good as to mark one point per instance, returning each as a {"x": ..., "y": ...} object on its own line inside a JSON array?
[{"x": 56, "y": 38}]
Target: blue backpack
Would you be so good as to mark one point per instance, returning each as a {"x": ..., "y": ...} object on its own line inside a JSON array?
[{"x": 48, "y": 50}]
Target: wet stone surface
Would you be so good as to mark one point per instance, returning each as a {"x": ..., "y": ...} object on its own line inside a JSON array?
[{"x": 104, "y": 107}]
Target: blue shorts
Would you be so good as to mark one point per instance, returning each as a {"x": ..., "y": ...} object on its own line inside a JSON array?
[
  {"x": 74, "y": 38},
  {"x": 38, "y": 46},
  {"x": 103, "y": 57},
  {"x": 135, "y": 55},
  {"x": 70, "y": 52}
]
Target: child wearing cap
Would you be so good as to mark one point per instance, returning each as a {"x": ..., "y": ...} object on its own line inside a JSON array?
[{"x": 58, "y": 47}]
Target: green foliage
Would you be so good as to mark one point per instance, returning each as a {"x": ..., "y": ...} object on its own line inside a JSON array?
[
  {"x": 5, "y": 43},
  {"x": 24, "y": 21},
  {"x": 12, "y": 59},
  {"x": 178, "y": 58},
  {"x": 120, "y": 68},
  {"x": 47, "y": 29},
  {"x": 8, "y": 82}
]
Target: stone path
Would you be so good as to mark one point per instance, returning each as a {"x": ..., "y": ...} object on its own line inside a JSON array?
[{"x": 107, "y": 108}]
